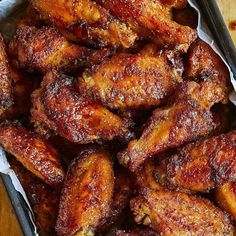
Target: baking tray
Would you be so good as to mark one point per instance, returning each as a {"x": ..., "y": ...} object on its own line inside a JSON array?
[{"x": 218, "y": 27}]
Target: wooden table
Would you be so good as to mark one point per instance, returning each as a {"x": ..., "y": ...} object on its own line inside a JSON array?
[
  {"x": 8, "y": 222},
  {"x": 228, "y": 9}
]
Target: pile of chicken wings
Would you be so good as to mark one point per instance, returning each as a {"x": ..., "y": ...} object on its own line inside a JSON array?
[{"x": 117, "y": 121}]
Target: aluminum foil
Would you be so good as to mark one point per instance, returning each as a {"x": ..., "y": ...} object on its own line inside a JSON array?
[{"x": 11, "y": 10}]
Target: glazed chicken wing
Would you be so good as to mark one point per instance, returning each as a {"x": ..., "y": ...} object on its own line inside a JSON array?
[
  {"x": 43, "y": 199},
  {"x": 153, "y": 19},
  {"x": 226, "y": 198},
  {"x": 87, "y": 194},
  {"x": 35, "y": 154},
  {"x": 59, "y": 106},
  {"x": 45, "y": 49},
  {"x": 133, "y": 81},
  {"x": 6, "y": 90},
  {"x": 186, "y": 119},
  {"x": 203, "y": 64},
  {"x": 173, "y": 213},
  {"x": 87, "y": 22},
  {"x": 202, "y": 165}
]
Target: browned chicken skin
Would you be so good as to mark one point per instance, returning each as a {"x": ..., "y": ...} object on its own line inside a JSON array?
[
  {"x": 202, "y": 165},
  {"x": 45, "y": 203},
  {"x": 153, "y": 19},
  {"x": 87, "y": 22},
  {"x": 186, "y": 119},
  {"x": 146, "y": 177},
  {"x": 133, "y": 232},
  {"x": 87, "y": 194},
  {"x": 6, "y": 90},
  {"x": 186, "y": 16},
  {"x": 188, "y": 115},
  {"x": 43, "y": 199},
  {"x": 178, "y": 4},
  {"x": 59, "y": 106},
  {"x": 121, "y": 196},
  {"x": 129, "y": 81},
  {"x": 226, "y": 198},
  {"x": 173, "y": 213},
  {"x": 31, "y": 17},
  {"x": 35, "y": 154},
  {"x": 128, "y": 57},
  {"x": 45, "y": 49},
  {"x": 23, "y": 85},
  {"x": 205, "y": 65}
]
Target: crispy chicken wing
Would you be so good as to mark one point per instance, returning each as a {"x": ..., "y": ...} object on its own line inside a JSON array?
[
  {"x": 226, "y": 198},
  {"x": 6, "y": 90},
  {"x": 133, "y": 81},
  {"x": 59, "y": 106},
  {"x": 202, "y": 165},
  {"x": 87, "y": 22},
  {"x": 153, "y": 19},
  {"x": 187, "y": 118},
  {"x": 87, "y": 194},
  {"x": 45, "y": 49},
  {"x": 43, "y": 199},
  {"x": 173, "y": 213},
  {"x": 35, "y": 154},
  {"x": 205, "y": 65}
]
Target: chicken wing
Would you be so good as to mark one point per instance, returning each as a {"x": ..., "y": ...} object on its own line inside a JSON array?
[
  {"x": 203, "y": 64},
  {"x": 45, "y": 49},
  {"x": 59, "y": 106},
  {"x": 87, "y": 22},
  {"x": 43, "y": 199},
  {"x": 186, "y": 119},
  {"x": 87, "y": 194},
  {"x": 153, "y": 19},
  {"x": 133, "y": 81},
  {"x": 34, "y": 153},
  {"x": 6, "y": 90},
  {"x": 226, "y": 198},
  {"x": 202, "y": 165},
  {"x": 174, "y": 213}
]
